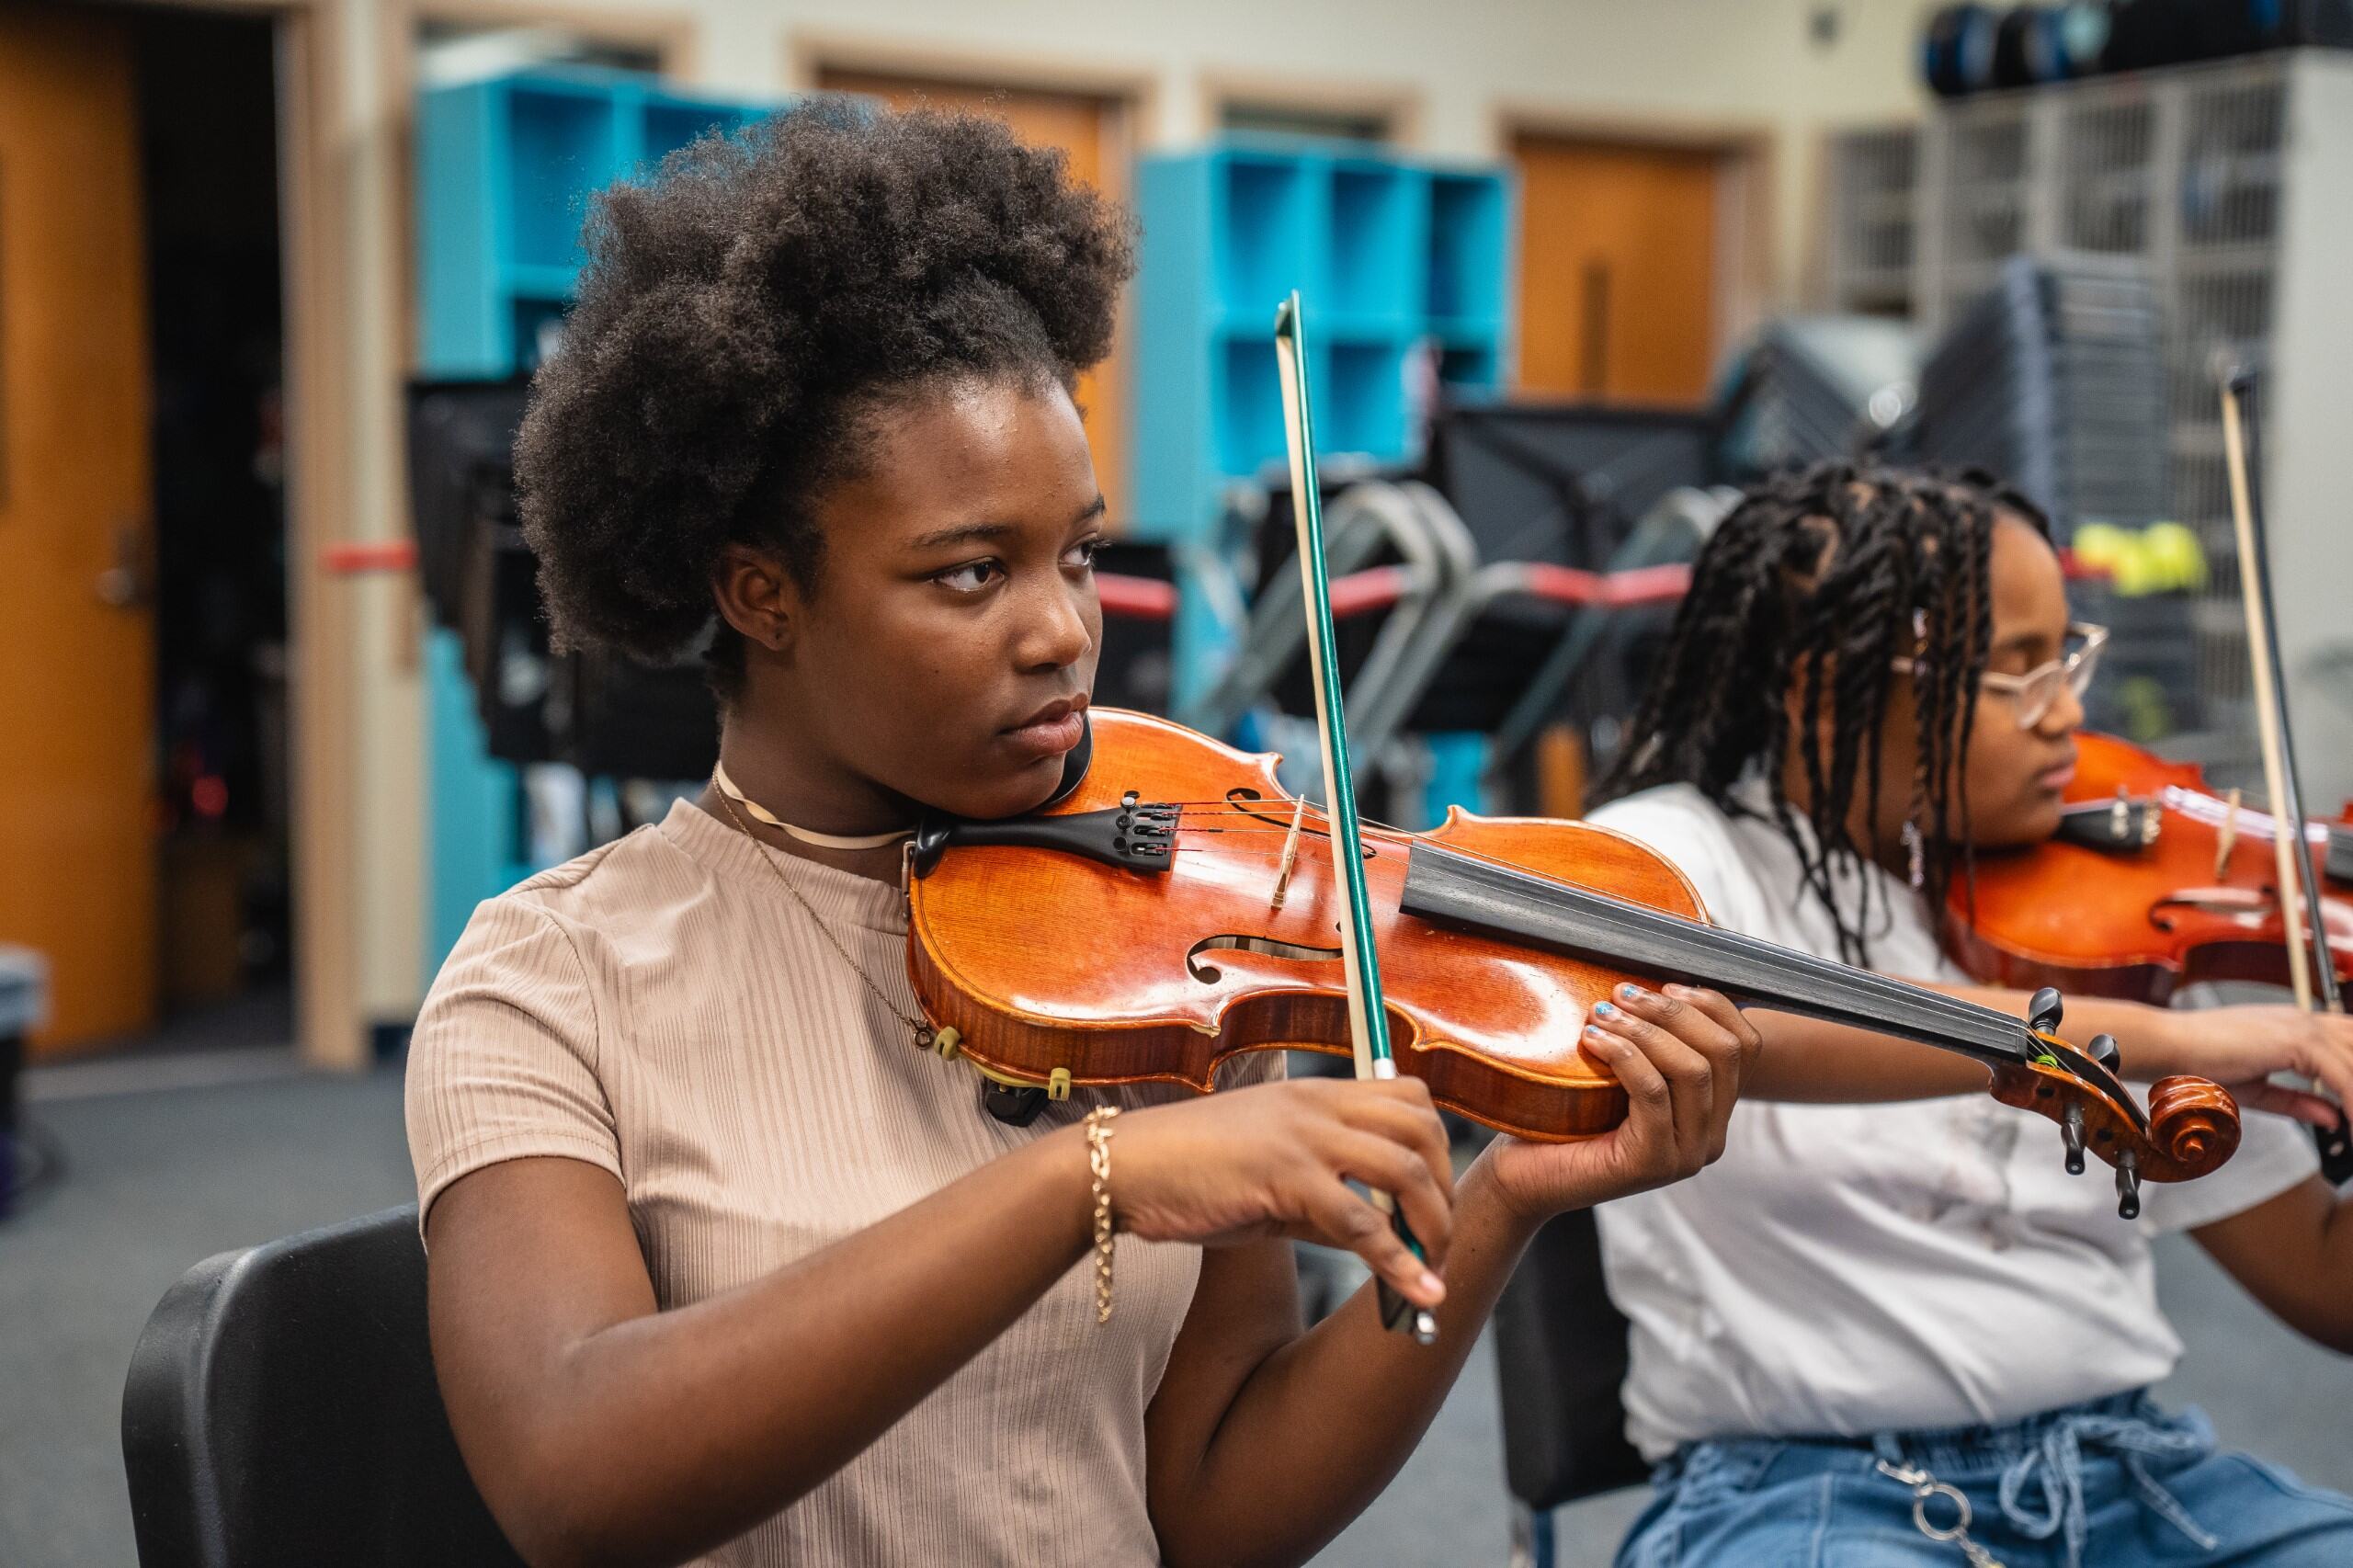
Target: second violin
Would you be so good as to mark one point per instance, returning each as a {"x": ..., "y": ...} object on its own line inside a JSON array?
[{"x": 2154, "y": 880}]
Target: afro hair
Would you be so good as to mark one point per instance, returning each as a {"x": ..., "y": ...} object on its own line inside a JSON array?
[{"x": 745, "y": 311}]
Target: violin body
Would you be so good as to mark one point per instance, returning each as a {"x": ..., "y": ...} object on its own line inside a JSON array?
[
  {"x": 1185, "y": 910},
  {"x": 2156, "y": 882},
  {"x": 1162, "y": 977}
]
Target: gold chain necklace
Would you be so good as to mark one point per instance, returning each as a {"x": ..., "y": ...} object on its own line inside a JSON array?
[
  {"x": 920, "y": 1029},
  {"x": 759, "y": 813}
]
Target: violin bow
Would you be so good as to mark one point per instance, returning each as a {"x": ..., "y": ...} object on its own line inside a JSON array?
[
  {"x": 2312, "y": 970},
  {"x": 1368, "y": 1016}
]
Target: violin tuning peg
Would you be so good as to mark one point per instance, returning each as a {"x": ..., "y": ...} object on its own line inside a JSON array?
[
  {"x": 2104, "y": 1051},
  {"x": 2128, "y": 1185},
  {"x": 2044, "y": 1013},
  {"x": 2071, "y": 1130}
]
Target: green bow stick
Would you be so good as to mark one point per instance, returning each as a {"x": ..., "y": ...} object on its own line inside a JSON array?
[{"x": 1368, "y": 1017}]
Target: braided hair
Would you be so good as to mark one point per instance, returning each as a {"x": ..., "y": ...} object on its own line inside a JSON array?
[{"x": 1818, "y": 582}]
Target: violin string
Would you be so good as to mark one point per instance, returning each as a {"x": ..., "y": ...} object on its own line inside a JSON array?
[{"x": 1957, "y": 1009}]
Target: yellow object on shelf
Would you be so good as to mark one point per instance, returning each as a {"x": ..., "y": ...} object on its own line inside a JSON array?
[{"x": 2163, "y": 558}]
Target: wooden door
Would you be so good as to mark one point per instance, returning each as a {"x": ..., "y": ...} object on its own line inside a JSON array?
[
  {"x": 1091, "y": 131},
  {"x": 1616, "y": 270},
  {"x": 78, "y": 857}
]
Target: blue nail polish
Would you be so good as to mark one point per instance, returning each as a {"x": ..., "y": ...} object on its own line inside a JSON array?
[
  {"x": 1604, "y": 1011},
  {"x": 1630, "y": 993}
]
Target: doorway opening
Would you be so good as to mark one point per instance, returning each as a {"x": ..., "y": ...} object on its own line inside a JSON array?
[
  {"x": 144, "y": 647},
  {"x": 208, "y": 136}
]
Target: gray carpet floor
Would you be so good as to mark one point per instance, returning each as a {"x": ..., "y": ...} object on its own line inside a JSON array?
[{"x": 164, "y": 1170}]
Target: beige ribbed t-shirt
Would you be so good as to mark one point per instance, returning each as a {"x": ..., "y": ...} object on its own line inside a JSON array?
[{"x": 663, "y": 1009}]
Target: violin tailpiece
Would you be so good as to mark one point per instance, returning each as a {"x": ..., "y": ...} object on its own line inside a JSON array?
[{"x": 1138, "y": 836}]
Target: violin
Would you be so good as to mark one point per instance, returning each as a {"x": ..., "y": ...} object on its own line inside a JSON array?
[
  {"x": 2153, "y": 881},
  {"x": 1202, "y": 931}
]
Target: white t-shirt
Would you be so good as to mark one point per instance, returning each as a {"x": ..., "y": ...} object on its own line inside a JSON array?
[{"x": 1849, "y": 1269}]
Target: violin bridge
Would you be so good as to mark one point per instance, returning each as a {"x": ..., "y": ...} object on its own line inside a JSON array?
[
  {"x": 2226, "y": 840},
  {"x": 1291, "y": 853}
]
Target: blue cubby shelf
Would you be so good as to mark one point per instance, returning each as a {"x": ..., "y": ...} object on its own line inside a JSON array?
[
  {"x": 504, "y": 170},
  {"x": 1376, "y": 259},
  {"x": 1468, "y": 260},
  {"x": 1387, "y": 252}
]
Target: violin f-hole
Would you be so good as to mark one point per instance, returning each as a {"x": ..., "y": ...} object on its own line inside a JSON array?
[{"x": 1209, "y": 973}]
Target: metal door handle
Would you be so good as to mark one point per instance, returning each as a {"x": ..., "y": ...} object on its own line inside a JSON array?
[{"x": 124, "y": 585}]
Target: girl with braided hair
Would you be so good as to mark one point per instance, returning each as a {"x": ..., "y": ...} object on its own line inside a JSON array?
[
  {"x": 726, "y": 1265},
  {"x": 1872, "y": 677}
]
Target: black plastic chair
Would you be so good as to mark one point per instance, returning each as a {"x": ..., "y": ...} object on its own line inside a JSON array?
[
  {"x": 281, "y": 1411},
  {"x": 1560, "y": 1362}
]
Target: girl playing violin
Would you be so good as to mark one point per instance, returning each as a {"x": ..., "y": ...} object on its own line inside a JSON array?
[
  {"x": 1873, "y": 676},
  {"x": 724, "y": 1265}
]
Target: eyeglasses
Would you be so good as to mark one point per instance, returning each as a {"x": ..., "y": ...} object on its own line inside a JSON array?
[{"x": 2033, "y": 694}]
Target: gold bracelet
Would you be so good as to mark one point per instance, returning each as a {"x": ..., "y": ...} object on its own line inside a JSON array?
[{"x": 1098, "y": 1165}]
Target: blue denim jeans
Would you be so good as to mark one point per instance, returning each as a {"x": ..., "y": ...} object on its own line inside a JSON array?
[{"x": 2115, "y": 1483}]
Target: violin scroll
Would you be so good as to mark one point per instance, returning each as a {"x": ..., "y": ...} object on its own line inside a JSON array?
[{"x": 2193, "y": 1125}]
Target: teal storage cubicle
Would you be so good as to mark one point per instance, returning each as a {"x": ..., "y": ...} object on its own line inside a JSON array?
[
  {"x": 505, "y": 167},
  {"x": 1387, "y": 252}
]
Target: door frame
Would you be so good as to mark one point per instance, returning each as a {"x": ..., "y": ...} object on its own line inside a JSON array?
[
  {"x": 1130, "y": 86},
  {"x": 1744, "y": 151},
  {"x": 1399, "y": 106}
]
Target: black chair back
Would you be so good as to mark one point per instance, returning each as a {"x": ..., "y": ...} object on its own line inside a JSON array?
[
  {"x": 1560, "y": 1361},
  {"x": 281, "y": 1411}
]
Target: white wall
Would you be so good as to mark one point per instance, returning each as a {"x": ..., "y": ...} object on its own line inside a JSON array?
[
  {"x": 1678, "y": 65},
  {"x": 1750, "y": 64},
  {"x": 1701, "y": 58}
]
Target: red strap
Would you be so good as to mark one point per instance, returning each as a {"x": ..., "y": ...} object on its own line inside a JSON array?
[
  {"x": 1376, "y": 587},
  {"x": 1649, "y": 584},
  {"x": 1617, "y": 590},
  {"x": 369, "y": 555},
  {"x": 1138, "y": 598}
]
